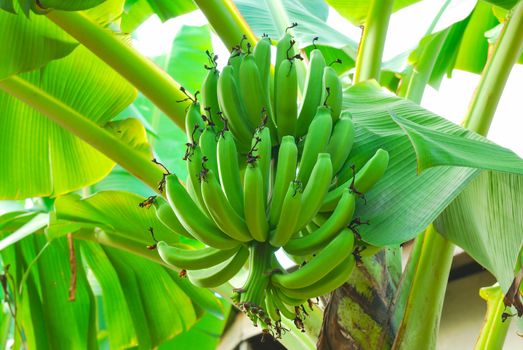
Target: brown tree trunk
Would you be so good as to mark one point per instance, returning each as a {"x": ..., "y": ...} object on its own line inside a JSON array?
[{"x": 360, "y": 314}]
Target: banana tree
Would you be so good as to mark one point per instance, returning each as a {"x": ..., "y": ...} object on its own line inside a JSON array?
[{"x": 324, "y": 151}]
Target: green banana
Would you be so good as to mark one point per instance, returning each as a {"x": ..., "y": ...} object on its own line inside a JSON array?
[
  {"x": 221, "y": 210},
  {"x": 327, "y": 230},
  {"x": 262, "y": 56},
  {"x": 324, "y": 262},
  {"x": 210, "y": 96},
  {"x": 287, "y": 311},
  {"x": 261, "y": 151},
  {"x": 193, "y": 259},
  {"x": 235, "y": 61},
  {"x": 254, "y": 202},
  {"x": 332, "y": 92},
  {"x": 315, "y": 190},
  {"x": 193, "y": 219},
  {"x": 194, "y": 124},
  {"x": 341, "y": 141},
  {"x": 315, "y": 142},
  {"x": 334, "y": 279},
  {"x": 286, "y": 107},
  {"x": 229, "y": 171},
  {"x": 208, "y": 145},
  {"x": 285, "y": 173},
  {"x": 270, "y": 306},
  {"x": 252, "y": 93},
  {"x": 194, "y": 171},
  {"x": 290, "y": 211},
  {"x": 166, "y": 215},
  {"x": 365, "y": 178},
  {"x": 283, "y": 52},
  {"x": 287, "y": 300},
  {"x": 313, "y": 92},
  {"x": 221, "y": 273},
  {"x": 232, "y": 107}
]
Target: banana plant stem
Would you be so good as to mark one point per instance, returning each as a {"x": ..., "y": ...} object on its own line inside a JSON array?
[
  {"x": 435, "y": 256},
  {"x": 226, "y": 21},
  {"x": 494, "y": 328},
  {"x": 132, "y": 160},
  {"x": 370, "y": 52},
  {"x": 154, "y": 83},
  {"x": 495, "y": 74}
]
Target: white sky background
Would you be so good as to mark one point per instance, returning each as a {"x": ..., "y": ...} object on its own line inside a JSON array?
[{"x": 406, "y": 28}]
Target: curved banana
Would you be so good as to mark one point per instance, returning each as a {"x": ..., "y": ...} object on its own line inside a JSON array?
[
  {"x": 270, "y": 305},
  {"x": 341, "y": 141},
  {"x": 319, "y": 266},
  {"x": 194, "y": 124},
  {"x": 262, "y": 56},
  {"x": 193, "y": 259},
  {"x": 255, "y": 202},
  {"x": 287, "y": 300},
  {"x": 327, "y": 230},
  {"x": 194, "y": 171},
  {"x": 334, "y": 279},
  {"x": 332, "y": 92},
  {"x": 283, "y": 52},
  {"x": 290, "y": 211},
  {"x": 208, "y": 145},
  {"x": 251, "y": 90},
  {"x": 313, "y": 92},
  {"x": 315, "y": 190},
  {"x": 315, "y": 142},
  {"x": 262, "y": 150},
  {"x": 221, "y": 273},
  {"x": 229, "y": 171},
  {"x": 232, "y": 107},
  {"x": 286, "y": 93},
  {"x": 193, "y": 219},
  {"x": 210, "y": 97},
  {"x": 166, "y": 215},
  {"x": 285, "y": 173},
  {"x": 221, "y": 210},
  {"x": 365, "y": 178}
]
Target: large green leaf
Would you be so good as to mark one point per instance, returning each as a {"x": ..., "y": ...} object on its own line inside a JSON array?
[
  {"x": 30, "y": 43},
  {"x": 356, "y": 10},
  {"x": 47, "y": 160},
  {"x": 435, "y": 148},
  {"x": 412, "y": 200},
  {"x": 69, "y": 5},
  {"x": 260, "y": 19},
  {"x": 486, "y": 220},
  {"x": 506, "y": 4},
  {"x": 117, "y": 213},
  {"x": 137, "y": 11}
]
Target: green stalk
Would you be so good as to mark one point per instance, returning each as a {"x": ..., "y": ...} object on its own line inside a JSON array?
[
  {"x": 433, "y": 253},
  {"x": 420, "y": 323},
  {"x": 154, "y": 83},
  {"x": 494, "y": 330},
  {"x": 226, "y": 21},
  {"x": 132, "y": 160},
  {"x": 495, "y": 74},
  {"x": 368, "y": 62}
]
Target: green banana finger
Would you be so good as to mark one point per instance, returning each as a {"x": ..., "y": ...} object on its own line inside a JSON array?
[
  {"x": 193, "y": 219},
  {"x": 327, "y": 230},
  {"x": 252, "y": 93},
  {"x": 313, "y": 92},
  {"x": 284, "y": 51},
  {"x": 229, "y": 171},
  {"x": 315, "y": 142},
  {"x": 324, "y": 262},
  {"x": 262, "y": 56},
  {"x": 365, "y": 178},
  {"x": 341, "y": 141},
  {"x": 221, "y": 210},
  {"x": 232, "y": 107},
  {"x": 166, "y": 215},
  {"x": 208, "y": 145},
  {"x": 287, "y": 300},
  {"x": 287, "y": 311},
  {"x": 210, "y": 97},
  {"x": 332, "y": 92},
  {"x": 194, "y": 124},
  {"x": 292, "y": 205},
  {"x": 194, "y": 170},
  {"x": 315, "y": 190},
  {"x": 255, "y": 201},
  {"x": 285, "y": 173},
  {"x": 261, "y": 151},
  {"x": 286, "y": 107},
  {"x": 193, "y": 259},
  {"x": 221, "y": 273},
  {"x": 271, "y": 308},
  {"x": 333, "y": 280}
]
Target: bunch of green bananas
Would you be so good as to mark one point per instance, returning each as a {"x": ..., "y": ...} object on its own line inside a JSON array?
[{"x": 264, "y": 175}]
